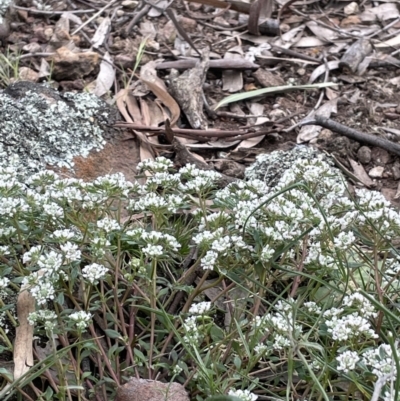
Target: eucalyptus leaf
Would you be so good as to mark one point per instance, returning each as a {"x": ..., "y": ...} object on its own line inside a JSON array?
[{"x": 266, "y": 91}]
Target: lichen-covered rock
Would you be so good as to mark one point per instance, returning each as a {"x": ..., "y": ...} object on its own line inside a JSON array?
[
  {"x": 40, "y": 126},
  {"x": 270, "y": 167},
  {"x": 151, "y": 390}
]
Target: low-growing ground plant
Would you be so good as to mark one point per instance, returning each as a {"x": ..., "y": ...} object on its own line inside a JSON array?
[{"x": 282, "y": 293}]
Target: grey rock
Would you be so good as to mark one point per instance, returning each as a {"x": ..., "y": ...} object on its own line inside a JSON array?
[{"x": 40, "y": 126}]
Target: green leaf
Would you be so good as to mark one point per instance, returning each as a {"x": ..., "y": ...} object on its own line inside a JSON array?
[
  {"x": 5, "y": 373},
  {"x": 265, "y": 91},
  {"x": 223, "y": 398},
  {"x": 112, "y": 333},
  {"x": 217, "y": 334},
  {"x": 237, "y": 362},
  {"x": 140, "y": 355},
  {"x": 48, "y": 393}
]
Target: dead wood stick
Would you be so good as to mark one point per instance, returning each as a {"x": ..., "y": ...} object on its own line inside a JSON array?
[
  {"x": 210, "y": 133},
  {"x": 295, "y": 54},
  {"x": 354, "y": 134},
  {"x": 136, "y": 19},
  {"x": 252, "y": 135},
  {"x": 223, "y": 64}
]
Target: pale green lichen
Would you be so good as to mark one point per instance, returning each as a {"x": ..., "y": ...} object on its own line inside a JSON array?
[
  {"x": 36, "y": 131},
  {"x": 269, "y": 167}
]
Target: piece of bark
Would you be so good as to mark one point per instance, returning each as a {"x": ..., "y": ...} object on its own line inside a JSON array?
[
  {"x": 355, "y": 54},
  {"x": 187, "y": 89},
  {"x": 222, "y": 64}
]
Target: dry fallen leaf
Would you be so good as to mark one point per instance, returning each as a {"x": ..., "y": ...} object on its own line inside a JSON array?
[
  {"x": 232, "y": 80},
  {"x": 361, "y": 174},
  {"x": 149, "y": 77},
  {"x": 101, "y": 33},
  {"x": 133, "y": 108},
  {"x": 309, "y": 132},
  {"x": 146, "y": 151},
  {"x": 106, "y": 77}
]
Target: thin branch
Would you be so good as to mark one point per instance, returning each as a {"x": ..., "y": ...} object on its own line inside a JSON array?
[{"x": 354, "y": 134}]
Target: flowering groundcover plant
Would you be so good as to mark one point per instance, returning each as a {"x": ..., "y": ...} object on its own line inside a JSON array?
[{"x": 284, "y": 292}]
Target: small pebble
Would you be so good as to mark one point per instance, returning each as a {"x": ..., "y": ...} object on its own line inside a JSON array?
[
  {"x": 351, "y": 8},
  {"x": 364, "y": 154},
  {"x": 376, "y": 172}
]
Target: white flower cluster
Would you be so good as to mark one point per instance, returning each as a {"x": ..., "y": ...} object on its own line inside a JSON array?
[
  {"x": 280, "y": 324},
  {"x": 244, "y": 395},
  {"x": 64, "y": 235},
  {"x": 198, "y": 181},
  {"x": 80, "y": 319},
  {"x": 154, "y": 243},
  {"x": 161, "y": 164},
  {"x": 71, "y": 252},
  {"x": 155, "y": 203},
  {"x": 4, "y": 281},
  {"x": 99, "y": 246},
  {"x": 350, "y": 326},
  {"x": 114, "y": 185},
  {"x": 94, "y": 272},
  {"x": 164, "y": 180},
  {"x": 218, "y": 245},
  {"x": 192, "y": 333},
  {"x": 200, "y": 308},
  {"x": 47, "y": 317},
  {"x": 347, "y": 361},
  {"x": 381, "y": 361},
  {"x": 353, "y": 324},
  {"x": 107, "y": 224}
]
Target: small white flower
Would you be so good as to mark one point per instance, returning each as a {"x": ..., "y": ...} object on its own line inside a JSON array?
[
  {"x": 108, "y": 224},
  {"x": 281, "y": 342},
  {"x": 50, "y": 261},
  {"x": 245, "y": 395},
  {"x": 267, "y": 253},
  {"x": 47, "y": 317},
  {"x": 71, "y": 252},
  {"x": 94, "y": 272},
  {"x": 64, "y": 234},
  {"x": 344, "y": 240},
  {"x": 32, "y": 255},
  {"x": 153, "y": 251},
  {"x": 312, "y": 307},
  {"x": 200, "y": 308},
  {"x": 81, "y": 319},
  {"x": 4, "y": 282},
  {"x": 192, "y": 334},
  {"x": 209, "y": 260},
  {"x": 4, "y": 250},
  {"x": 260, "y": 349},
  {"x": 347, "y": 361},
  {"x": 160, "y": 164},
  {"x": 53, "y": 210}
]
